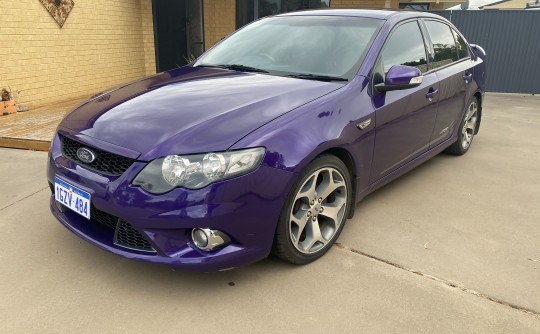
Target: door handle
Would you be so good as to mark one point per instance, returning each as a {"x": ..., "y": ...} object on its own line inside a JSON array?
[
  {"x": 431, "y": 94},
  {"x": 467, "y": 77}
]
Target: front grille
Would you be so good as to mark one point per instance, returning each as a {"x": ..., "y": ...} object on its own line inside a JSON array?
[
  {"x": 105, "y": 162},
  {"x": 103, "y": 218},
  {"x": 124, "y": 234},
  {"x": 127, "y": 236}
]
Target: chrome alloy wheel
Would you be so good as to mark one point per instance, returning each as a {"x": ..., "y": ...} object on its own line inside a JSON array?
[
  {"x": 318, "y": 210},
  {"x": 469, "y": 125}
]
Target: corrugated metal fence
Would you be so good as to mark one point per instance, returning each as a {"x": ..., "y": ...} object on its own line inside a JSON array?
[{"x": 511, "y": 39}]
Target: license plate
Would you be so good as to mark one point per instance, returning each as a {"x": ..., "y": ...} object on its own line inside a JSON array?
[{"x": 72, "y": 197}]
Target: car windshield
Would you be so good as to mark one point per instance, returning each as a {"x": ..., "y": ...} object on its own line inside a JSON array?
[{"x": 308, "y": 47}]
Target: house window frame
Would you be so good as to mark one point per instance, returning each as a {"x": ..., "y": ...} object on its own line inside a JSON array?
[
  {"x": 240, "y": 5},
  {"x": 411, "y": 5}
]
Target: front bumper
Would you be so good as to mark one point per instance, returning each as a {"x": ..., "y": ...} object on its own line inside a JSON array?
[{"x": 246, "y": 208}]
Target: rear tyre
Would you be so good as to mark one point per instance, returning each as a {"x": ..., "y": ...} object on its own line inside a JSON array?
[
  {"x": 315, "y": 211},
  {"x": 467, "y": 129}
]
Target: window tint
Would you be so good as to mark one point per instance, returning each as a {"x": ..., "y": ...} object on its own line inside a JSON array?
[
  {"x": 463, "y": 51},
  {"x": 405, "y": 47},
  {"x": 443, "y": 43}
]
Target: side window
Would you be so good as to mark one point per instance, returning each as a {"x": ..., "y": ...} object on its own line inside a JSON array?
[
  {"x": 443, "y": 43},
  {"x": 463, "y": 51},
  {"x": 405, "y": 47}
]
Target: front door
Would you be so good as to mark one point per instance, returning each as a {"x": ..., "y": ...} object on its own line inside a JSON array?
[
  {"x": 178, "y": 32},
  {"x": 404, "y": 119}
]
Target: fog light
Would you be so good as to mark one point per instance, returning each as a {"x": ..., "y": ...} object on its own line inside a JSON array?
[
  {"x": 207, "y": 239},
  {"x": 199, "y": 238}
]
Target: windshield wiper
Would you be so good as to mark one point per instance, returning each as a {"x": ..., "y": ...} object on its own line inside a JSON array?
[
  {"x": 317, "y": 77},
  {"x": 236, "y": 67}
]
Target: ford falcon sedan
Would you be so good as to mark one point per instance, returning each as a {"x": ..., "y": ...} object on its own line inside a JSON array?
[{"x": 266, "y": 142}]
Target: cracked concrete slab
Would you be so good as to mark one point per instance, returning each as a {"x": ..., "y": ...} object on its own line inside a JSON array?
[
  {"x": 448, "y": 283},
  {"x": 473, "y": 220}
]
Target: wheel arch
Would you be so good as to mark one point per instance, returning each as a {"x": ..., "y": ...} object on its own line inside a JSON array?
[{"x": 346, "y": 157}]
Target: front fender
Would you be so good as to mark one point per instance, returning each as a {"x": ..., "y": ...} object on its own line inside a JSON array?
[{"x": 296, "y": 138}]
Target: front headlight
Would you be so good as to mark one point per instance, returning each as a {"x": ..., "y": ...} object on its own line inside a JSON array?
[{"x": 196, "y": 171}]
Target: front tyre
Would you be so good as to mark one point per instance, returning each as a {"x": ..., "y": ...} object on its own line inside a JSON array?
[
  {"x": 315, "y": 211},
  {"x": 466, "y": 130}
]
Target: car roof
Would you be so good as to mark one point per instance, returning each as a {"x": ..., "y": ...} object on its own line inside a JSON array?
[{"x": 381, "y": 14}]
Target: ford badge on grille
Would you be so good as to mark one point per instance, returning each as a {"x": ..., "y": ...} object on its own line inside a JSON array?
[{"x": 85, "y": 155}]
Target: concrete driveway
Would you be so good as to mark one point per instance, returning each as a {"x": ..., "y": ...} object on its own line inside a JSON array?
[{"x": 453, "y": 246}]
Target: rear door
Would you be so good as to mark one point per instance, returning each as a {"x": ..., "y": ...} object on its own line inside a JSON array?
[
  {"x": 404, "y": 118},
  {"x": 454, "y": 69}
]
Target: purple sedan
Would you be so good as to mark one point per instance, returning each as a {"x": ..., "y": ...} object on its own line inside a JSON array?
[{"x": 268, "y": 140}]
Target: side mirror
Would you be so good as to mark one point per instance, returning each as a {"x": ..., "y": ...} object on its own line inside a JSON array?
[
  {"x": 478, "y": 51},
  {"x": 400, "y": 77}
]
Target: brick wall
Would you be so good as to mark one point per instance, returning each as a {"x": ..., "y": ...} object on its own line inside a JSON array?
[
  {"x": 219, "y": 20},
  {"x": 148, "y": 37},
  {"x": 102, "y": 44},
  {"x": 442, "y": 5}
]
